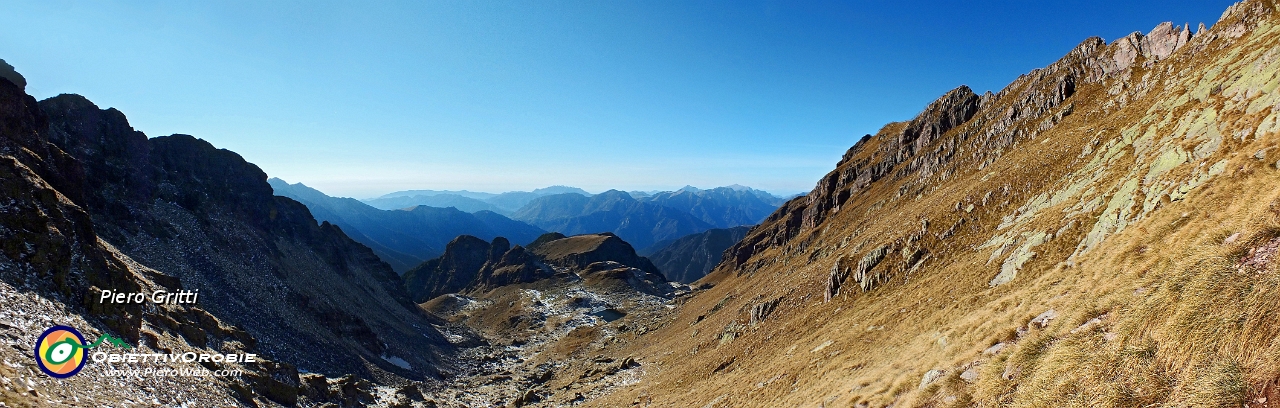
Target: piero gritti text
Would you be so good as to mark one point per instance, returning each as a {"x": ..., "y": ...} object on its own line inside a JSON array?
[{"x": 158, "y": 297}]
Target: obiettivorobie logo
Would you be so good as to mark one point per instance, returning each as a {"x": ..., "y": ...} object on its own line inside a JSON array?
[{"x": 60, "y": 350}]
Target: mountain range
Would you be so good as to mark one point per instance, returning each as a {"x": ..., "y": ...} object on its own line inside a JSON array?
[
  {"x": 649, "y": 220},
  {"x": 404, "y": 237},
  {"x": 412, "y": 229},
  {"x": 469, "y": 201}
]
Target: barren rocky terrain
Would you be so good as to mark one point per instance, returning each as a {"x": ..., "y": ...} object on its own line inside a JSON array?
[{"x": 1101, "y": 232}]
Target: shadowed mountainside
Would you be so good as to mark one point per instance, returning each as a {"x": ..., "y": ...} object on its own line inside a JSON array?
[
  {"x": 691, "y": 257},
  {"x": 91, "y": 204}
]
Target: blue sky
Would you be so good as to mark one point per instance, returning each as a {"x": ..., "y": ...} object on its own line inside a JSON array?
[{"x": 364, "y": 98}]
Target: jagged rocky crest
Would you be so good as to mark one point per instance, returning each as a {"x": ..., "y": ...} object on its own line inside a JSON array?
[
  {"x": 922, "y": 154},
  {"x": 101, "y": 206},
  {"x": 1018, "y": 248},
  {"x": 471, "y": 265}
]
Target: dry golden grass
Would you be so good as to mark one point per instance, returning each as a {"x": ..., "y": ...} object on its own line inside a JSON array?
[{"x": 1171, "y": 320}]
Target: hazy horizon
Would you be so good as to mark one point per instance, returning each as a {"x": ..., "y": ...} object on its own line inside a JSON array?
[
  {"x": 359, "y": 100},
  {"x": 593, "y": 192}
]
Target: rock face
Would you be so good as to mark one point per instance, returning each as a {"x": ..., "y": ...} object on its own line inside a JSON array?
[
  {"x": 581, "y": 251},
  {"x": 404, "y": 237},
  {"x": 451, "y": 272},
  {"x": 1129, "y": 186},
  {"x": 207, "y": 219},
  {"x": 691, "y": 257},
  {"x": 471, "y": 265},
  {"x": 920, "y": 153},
  {"x": 7, "y": 72},
  {"x": 89, "y": 204}
]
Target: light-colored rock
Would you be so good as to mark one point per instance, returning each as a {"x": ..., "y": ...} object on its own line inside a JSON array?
[
  {"x": 1089, "y": 324},
  {"x": 1231, "y": 239},
  {"x": 1044, "y": 318},
  {"x": 931, "y": 376},
  {"x": 1011, "y": 372},
  {"x": 1163, "y": 40},
  {"x": 1009, "y": 269},
  {"x": 994, "y": 349}
]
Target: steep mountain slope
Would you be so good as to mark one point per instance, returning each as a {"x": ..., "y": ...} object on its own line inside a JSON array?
[
  {"x": 362, "y": 223},
  {"x": 403, "y": 238},
  {"x": 1102, "y": 232},
  {"x": 691, "y": 257},
  {"x": 208, "y": 218},
  {"x": 91, "y": 205},
  {"x": 639, "y": 223}
]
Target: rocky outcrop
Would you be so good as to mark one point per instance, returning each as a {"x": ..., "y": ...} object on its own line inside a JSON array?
[
  {"x": 516, "y": 265},
  {"x": 961, "y": 131},
  {"x": 66, "y": 202},
  {"x": 206, "y": 219},
  {"x": 1158, "y": 44},
  {"x": 580, "y": 251},
  {"x": 451, "y": 272},
  {"x": 471, "y": 264},
  {"x": 8, "y": 73}
]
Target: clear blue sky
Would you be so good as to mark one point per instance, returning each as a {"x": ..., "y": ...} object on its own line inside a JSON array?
[{"x": 363, "y": 98}]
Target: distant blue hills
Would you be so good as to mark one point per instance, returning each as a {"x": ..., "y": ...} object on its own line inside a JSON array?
[{"x": 408, "y": 227}]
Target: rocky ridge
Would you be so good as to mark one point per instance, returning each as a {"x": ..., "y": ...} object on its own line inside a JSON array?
[
  {"x": 89, "y": 204},
  {"x": 470, "y": 265},
  {"x": 1095, "y": 218}
]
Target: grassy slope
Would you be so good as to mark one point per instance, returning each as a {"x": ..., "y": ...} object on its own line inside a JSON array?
[{"x": 1177, "y": 322}]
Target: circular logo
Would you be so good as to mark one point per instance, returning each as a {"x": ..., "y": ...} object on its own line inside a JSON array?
[{"x": 60, "y": 352}]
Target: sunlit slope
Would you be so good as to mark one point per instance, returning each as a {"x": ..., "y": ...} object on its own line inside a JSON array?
[{"x": 1099, "y": 233}]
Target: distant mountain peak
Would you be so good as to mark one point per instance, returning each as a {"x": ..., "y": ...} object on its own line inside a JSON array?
[{"x": 558, "y": 189}]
